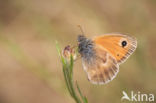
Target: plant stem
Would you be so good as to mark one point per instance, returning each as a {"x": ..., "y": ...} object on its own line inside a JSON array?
[{"x": 67, "y": 67}]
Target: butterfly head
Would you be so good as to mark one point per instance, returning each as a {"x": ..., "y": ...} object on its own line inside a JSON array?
[
  {"x": 81, "y": 38},
  {"x": 85, "y": 47}
]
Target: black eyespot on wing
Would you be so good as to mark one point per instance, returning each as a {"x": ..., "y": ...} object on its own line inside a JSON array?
[{"x": 124, "y": 43}]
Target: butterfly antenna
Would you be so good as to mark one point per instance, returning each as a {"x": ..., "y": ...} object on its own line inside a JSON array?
[{"x": 80, "y": 27}]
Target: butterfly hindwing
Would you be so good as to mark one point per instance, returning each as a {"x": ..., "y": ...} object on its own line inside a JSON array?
[{"x": 102, "y": 68}]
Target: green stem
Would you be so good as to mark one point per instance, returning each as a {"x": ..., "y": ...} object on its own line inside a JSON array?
[{"x": 68, "y": 75}]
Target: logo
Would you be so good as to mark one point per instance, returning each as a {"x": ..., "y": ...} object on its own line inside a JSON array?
[{"x": 140, "y": 97}]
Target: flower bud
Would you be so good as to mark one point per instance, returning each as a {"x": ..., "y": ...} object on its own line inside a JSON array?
[{"x": 68, "y": 52}]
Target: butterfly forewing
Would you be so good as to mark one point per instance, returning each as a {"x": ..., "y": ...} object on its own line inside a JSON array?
[{"x": 118, "y": 45}]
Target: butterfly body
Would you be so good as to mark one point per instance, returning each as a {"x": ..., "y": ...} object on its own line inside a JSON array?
[
  {"x": 86, "y": 48},
  {"x": 102, "y": 55}
]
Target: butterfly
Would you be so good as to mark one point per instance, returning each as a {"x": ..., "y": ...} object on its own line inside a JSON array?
[{"x": 102, "y": 55}]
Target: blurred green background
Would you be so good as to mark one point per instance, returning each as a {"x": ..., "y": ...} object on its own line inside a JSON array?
[{"x": 30, "y": 69}]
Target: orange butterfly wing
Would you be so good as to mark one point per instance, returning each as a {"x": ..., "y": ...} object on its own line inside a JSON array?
[{"x": 118, "y": 45}]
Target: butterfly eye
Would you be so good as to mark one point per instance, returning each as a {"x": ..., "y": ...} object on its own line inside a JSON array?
[{"x": 124, "y": 43}]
